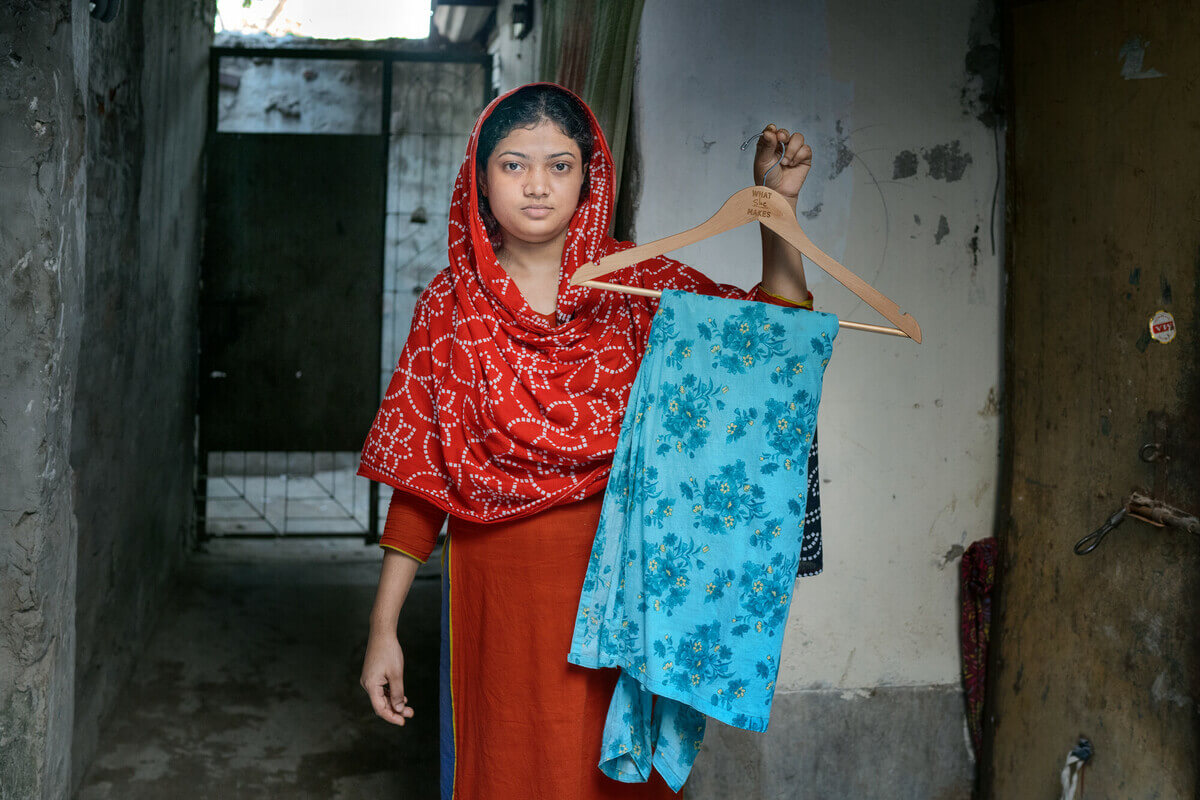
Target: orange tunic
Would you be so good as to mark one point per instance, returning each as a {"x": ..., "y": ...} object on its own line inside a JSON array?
[{"x": 523, "y": 722}]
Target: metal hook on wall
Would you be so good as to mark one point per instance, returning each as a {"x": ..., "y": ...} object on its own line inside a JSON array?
[
  {"x": 1146, "y": 509},
  {"x": 1090, "y": 542}
]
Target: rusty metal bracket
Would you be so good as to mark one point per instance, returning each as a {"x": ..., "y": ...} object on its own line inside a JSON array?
[
  {"x": 1159, "y": 513},
  {"x": 1143, "y": 508}
]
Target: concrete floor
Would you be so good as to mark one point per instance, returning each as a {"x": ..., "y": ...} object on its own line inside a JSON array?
[{"x": 249, "y": 686}]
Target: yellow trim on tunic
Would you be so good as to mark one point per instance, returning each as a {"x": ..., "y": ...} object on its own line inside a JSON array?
[{"x": 403, "y": 552}]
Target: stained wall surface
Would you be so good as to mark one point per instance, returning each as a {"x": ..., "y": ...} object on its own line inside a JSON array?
[
  {"x": 896, "y": 100},
  {"x": 132, "y": 427},
  {"x": 43, "y": 207},
  {"x": 1104, "y": 233}
]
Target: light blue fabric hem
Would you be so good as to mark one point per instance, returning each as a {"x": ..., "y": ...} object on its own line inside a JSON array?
[
  {"x": 669, "y": 743},
  {"x": 736, "y": 719},
  {"x": 625, "y": 753},
  {"x": 662, "y": 763}
]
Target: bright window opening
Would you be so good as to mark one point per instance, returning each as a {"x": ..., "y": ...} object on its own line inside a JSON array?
[{"x": 326, "y": 19}]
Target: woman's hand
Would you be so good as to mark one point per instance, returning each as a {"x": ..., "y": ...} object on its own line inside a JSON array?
[
  {"x": 788, "y": 177},
  {"x": 383, "y": 678}
]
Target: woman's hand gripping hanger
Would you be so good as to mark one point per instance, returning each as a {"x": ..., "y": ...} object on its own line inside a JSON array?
[{"x": 754, "y": 204}]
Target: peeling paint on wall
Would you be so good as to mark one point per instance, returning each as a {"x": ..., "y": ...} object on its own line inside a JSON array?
[
  {"x": 1133, "y": 54},
  {"x": 905, "y": 166},
  {"x": 947, "y": 162},
  {"x": 1143, "y": 341},
  {"x": 953, "y": 554},
  {"x": 844, "y": 154},
  {"x": 943, "y": 230},
  {"x": 991, "y": 406},
  {"x": 983, "y": 92}
]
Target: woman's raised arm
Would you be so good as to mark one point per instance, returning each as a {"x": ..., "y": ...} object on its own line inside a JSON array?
[{"x": 782, "y": 264}]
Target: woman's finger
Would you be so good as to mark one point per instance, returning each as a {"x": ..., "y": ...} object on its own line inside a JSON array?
[
  {"x": 767, "y": 141},
  {"x": 383, "y": 707},
  {"x": 792, "y": 147}
]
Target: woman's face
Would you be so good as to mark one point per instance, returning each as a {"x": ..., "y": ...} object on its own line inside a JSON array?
[{"x": 533, "y": 181}]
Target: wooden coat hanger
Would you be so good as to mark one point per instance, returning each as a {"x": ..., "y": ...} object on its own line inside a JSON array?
[{"x": 754, "y": 204}]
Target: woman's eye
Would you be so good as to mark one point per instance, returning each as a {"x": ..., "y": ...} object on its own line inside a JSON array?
[
  {"x": 562, "y": 166},
  {"x": 511, "y": 166}
]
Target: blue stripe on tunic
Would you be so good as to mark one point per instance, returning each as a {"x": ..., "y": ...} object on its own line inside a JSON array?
[{"x": 445, "y": 702}]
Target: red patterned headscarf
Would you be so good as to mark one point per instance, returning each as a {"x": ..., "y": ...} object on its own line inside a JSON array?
[{"x": 492, "y": 413}]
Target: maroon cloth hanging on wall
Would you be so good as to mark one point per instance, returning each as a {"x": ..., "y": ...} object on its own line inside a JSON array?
[{"x": 977, "y": 577}]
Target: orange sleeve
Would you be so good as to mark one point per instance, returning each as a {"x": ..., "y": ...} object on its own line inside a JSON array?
[{"x": 412, "y": 526}]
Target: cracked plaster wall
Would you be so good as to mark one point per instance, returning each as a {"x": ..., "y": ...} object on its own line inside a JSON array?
[
  {"x": 101, "y": 134},
  {"x": 132, "y": 431},
  {"x": 43, "y": 73}
]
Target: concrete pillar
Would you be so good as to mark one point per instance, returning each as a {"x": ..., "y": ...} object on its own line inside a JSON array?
[{"x": 43, "y": 71}]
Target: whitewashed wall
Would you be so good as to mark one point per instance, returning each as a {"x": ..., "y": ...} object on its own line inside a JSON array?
[{"x": 909, "y": 433}]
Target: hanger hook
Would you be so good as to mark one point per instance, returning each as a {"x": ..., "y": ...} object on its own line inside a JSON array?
[{"x": 782, "y": 149}]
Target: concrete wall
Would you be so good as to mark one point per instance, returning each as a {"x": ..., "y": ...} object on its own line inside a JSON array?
[
  {"x": 43, "y": 206},
  {"x": 103, "y": 129},
  {"x": 895, "y": 100},
  {"x": 132, "y": 430}
]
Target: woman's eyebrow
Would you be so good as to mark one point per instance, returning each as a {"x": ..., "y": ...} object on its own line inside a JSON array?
[{"x": 565, "y": 153}]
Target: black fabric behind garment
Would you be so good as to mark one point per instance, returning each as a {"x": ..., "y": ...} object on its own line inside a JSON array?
[{"x": 811, "y": 549}]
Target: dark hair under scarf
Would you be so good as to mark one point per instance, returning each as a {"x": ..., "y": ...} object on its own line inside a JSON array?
[{"x": 529, "y": 107}]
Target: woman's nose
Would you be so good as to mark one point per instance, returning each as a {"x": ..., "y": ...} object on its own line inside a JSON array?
[{"x": 538, "y": 184}]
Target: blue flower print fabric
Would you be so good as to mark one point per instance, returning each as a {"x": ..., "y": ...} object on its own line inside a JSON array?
[{"x": 700, "y": 537}]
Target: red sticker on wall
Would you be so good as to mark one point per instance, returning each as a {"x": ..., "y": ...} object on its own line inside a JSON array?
[{"x": 1162, "y": 326}]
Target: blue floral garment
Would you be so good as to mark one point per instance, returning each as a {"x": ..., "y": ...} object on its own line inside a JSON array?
[{"x": 699, "y": 539}]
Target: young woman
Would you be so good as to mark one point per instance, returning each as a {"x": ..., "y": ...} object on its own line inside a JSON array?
[{"x": 503, "y": 412}]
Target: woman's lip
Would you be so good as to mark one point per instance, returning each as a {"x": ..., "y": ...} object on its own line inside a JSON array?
[{"x": 537, "y": 211}]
